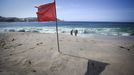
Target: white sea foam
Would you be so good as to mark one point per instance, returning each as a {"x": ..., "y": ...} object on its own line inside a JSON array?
[{"x": 66, "y": 30}]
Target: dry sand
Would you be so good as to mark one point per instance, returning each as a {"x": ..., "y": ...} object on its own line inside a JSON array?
[{"x": 37, "y": 54}]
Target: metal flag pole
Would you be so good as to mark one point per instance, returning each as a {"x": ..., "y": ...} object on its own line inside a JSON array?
[{"x": 57, "y": 29}]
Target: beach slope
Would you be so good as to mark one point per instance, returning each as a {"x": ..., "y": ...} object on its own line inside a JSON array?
[{"x": 37, "y": 54}]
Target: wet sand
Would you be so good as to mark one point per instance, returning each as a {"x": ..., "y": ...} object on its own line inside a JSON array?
[{"x": 37, "y": 54}]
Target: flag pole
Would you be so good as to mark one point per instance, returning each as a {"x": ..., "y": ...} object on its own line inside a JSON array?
[{"x": 57, "y": 29}]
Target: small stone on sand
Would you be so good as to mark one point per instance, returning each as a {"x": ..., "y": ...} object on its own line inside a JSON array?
[
  {"x": 11, "y": 54},
  {"x": 13, "y": 39},
  {"x": 29, "y": 62},
  {"x": 128, "y": 49},
  {"x": 33, "y": 70}
]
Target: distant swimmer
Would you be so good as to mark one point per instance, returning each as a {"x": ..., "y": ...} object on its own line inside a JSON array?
[
  {"x": 76, "y": 32},
  {"x": 71, "y": 32}
]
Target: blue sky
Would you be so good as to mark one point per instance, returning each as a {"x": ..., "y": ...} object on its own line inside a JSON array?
[{"x": 73, "y": 10}]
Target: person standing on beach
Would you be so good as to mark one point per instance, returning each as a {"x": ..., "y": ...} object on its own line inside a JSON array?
[
  {"x": 76, "y": 32},
  {"x": 71, "y": 32}
]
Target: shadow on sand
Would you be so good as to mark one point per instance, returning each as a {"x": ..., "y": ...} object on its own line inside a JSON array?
[{"x": 95, "y": 67}]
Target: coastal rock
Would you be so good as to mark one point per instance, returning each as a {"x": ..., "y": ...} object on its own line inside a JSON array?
[
  {"x": 22, "y": 30},
  {"x": 11, "y": 30}
]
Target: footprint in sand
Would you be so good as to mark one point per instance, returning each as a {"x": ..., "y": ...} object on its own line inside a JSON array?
[
  {"x": 124, "y": 48},
  {"x": 32, "y": 48},
  {"x": 19, "y": 44},
  {"x": 39, "y": 43},
  {"x": 2, "y": 43}
]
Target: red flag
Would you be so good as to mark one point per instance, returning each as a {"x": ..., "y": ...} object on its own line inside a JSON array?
[{"x": 47, "y": 12}]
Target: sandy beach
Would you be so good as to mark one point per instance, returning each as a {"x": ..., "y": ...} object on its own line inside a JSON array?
[{"x": 36, "y": 54}]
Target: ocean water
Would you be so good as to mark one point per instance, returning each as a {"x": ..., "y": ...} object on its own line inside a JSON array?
[{"x": 84, "y": 28}]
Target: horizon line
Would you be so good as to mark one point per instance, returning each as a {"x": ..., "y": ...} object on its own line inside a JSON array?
[{"x": 70, "y": 20}]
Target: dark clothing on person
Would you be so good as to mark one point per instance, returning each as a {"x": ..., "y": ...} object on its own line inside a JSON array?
[
  {"x": 76, "y": 32},
  {"x": 71, "y": 32}
]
